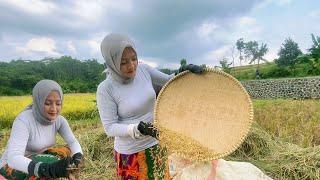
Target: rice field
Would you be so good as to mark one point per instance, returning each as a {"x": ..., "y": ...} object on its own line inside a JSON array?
[
  {"x": 284, "y": 141},
  {"x": 75, "y": 107},
  {"x": 292, "y": 121}
]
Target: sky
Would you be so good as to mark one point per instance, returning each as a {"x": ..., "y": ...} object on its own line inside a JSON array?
[{"x": 164, "y": 32}]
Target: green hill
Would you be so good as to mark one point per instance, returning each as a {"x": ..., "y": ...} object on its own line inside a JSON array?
[{"x": 270, "y": 70}]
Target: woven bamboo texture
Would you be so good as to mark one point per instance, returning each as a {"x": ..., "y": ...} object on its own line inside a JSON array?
[{"x": 203, "y": 117}]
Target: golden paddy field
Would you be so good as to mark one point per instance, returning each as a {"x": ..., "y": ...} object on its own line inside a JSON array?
[
  {"x": 75, "y": 106},
  {"x": 284, "y": 141}
]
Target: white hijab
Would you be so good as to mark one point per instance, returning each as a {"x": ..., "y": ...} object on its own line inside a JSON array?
[
  {"x": 39, "y": 94},
  {"x": 112, "y": 47}
]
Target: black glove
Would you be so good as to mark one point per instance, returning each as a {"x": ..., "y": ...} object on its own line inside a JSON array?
[
  {"x": 147, "y": 129},
  {"x": 52, "y": 170},
  {"x": 76, "y": 159},
  {"x": 192, "y": 68}
]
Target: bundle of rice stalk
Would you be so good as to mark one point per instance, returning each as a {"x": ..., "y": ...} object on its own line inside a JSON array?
[
  {"x": 278, "y": 159},
  {"x": 98, "y": 154},
  {"x": 258, "y": 144},
  {"x": 98, "y": 151},
  {"x": 203, "y": 117},
  {"x": 294, "y": 162}
]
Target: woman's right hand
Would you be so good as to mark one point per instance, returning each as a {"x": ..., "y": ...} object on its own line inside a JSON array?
[{"x": 77, "y": 159}]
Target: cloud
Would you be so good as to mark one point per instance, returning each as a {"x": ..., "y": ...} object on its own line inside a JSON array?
[
  {"x": 219, "y": 53},
  {"x": 245, "y": 21},
  {"x": 166, "y": 31},
  {"x": 94, "y": 47},
  {"x": 279, "y": 3},
  {"x": 213, "y": 57},
  {"x": 283, "y": 2},
  {"x": 97, "y": 11},
  {"x": 150, "y": 63},
  {"x": 71, "y": 48},
  {"x": 58, "y": 18},
  {"x": 40, "y": 46},
  {"x": 206, "y": 29},
  {"x": 271, "y": 55},
  {"x": 245, "y": 27},
  {"x": 158, "y": 19},
  {"x": 36, "y": 7},
  {"x": 315, "y": 14},
  {"x": 87, "y": 11},
  {"x": 158, "y": 63}
]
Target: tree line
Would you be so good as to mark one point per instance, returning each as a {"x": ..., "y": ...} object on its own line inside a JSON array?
[
  {"x": 18, "y": 77},
  {"x": 291, "y": 62}
]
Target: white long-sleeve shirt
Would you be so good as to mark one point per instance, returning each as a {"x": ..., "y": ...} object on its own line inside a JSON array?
[
  {"x": 28, "y": 136},
  {"x": 122, "y": 104}
]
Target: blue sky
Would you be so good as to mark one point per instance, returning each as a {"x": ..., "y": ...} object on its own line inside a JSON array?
[{"x": 164, "y": 32}]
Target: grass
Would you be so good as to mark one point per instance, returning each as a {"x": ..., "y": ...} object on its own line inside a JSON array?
[
  {"x": 248, "y": 72},
  {"x": 270, "y": 70},
  {"x": 98, "y": 149},
  {"x": 283, "y": 142}
]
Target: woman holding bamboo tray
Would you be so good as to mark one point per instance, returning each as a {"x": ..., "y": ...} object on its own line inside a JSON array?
[
  {"x": 30, "y": 153},
  {"x": 125, "y": 102}
]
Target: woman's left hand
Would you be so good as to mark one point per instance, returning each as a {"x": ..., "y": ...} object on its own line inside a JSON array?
[
  {"x": 192, "y": 68},
  {"x": 147, "y": 129}
]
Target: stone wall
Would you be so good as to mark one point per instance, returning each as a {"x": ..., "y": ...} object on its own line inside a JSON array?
[{"x": 293, "y": 88}]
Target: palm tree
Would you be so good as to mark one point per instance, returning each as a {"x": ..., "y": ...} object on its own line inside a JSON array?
[
  {"x": 255, "y": 53},
  {"x": 240, "y": 47}
]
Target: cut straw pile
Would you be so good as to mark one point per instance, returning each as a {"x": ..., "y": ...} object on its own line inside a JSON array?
[
  {"x": 99, "y": 162},
  {"x": 277, "y": 159}
]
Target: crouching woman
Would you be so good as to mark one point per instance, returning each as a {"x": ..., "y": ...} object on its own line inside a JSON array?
[{"x": 30, "y": 152}]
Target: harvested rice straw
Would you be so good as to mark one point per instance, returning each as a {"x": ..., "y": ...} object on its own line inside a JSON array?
[{"x": 185, "y": 146}]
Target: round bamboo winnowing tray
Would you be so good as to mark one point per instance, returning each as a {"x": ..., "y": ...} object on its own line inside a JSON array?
[{"x": 203, "y": 117}]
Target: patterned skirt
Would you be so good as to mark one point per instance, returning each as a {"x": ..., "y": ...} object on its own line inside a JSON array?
[
  {"x": 50, "y": 155},
  {"x": 149, "y": 164}
]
